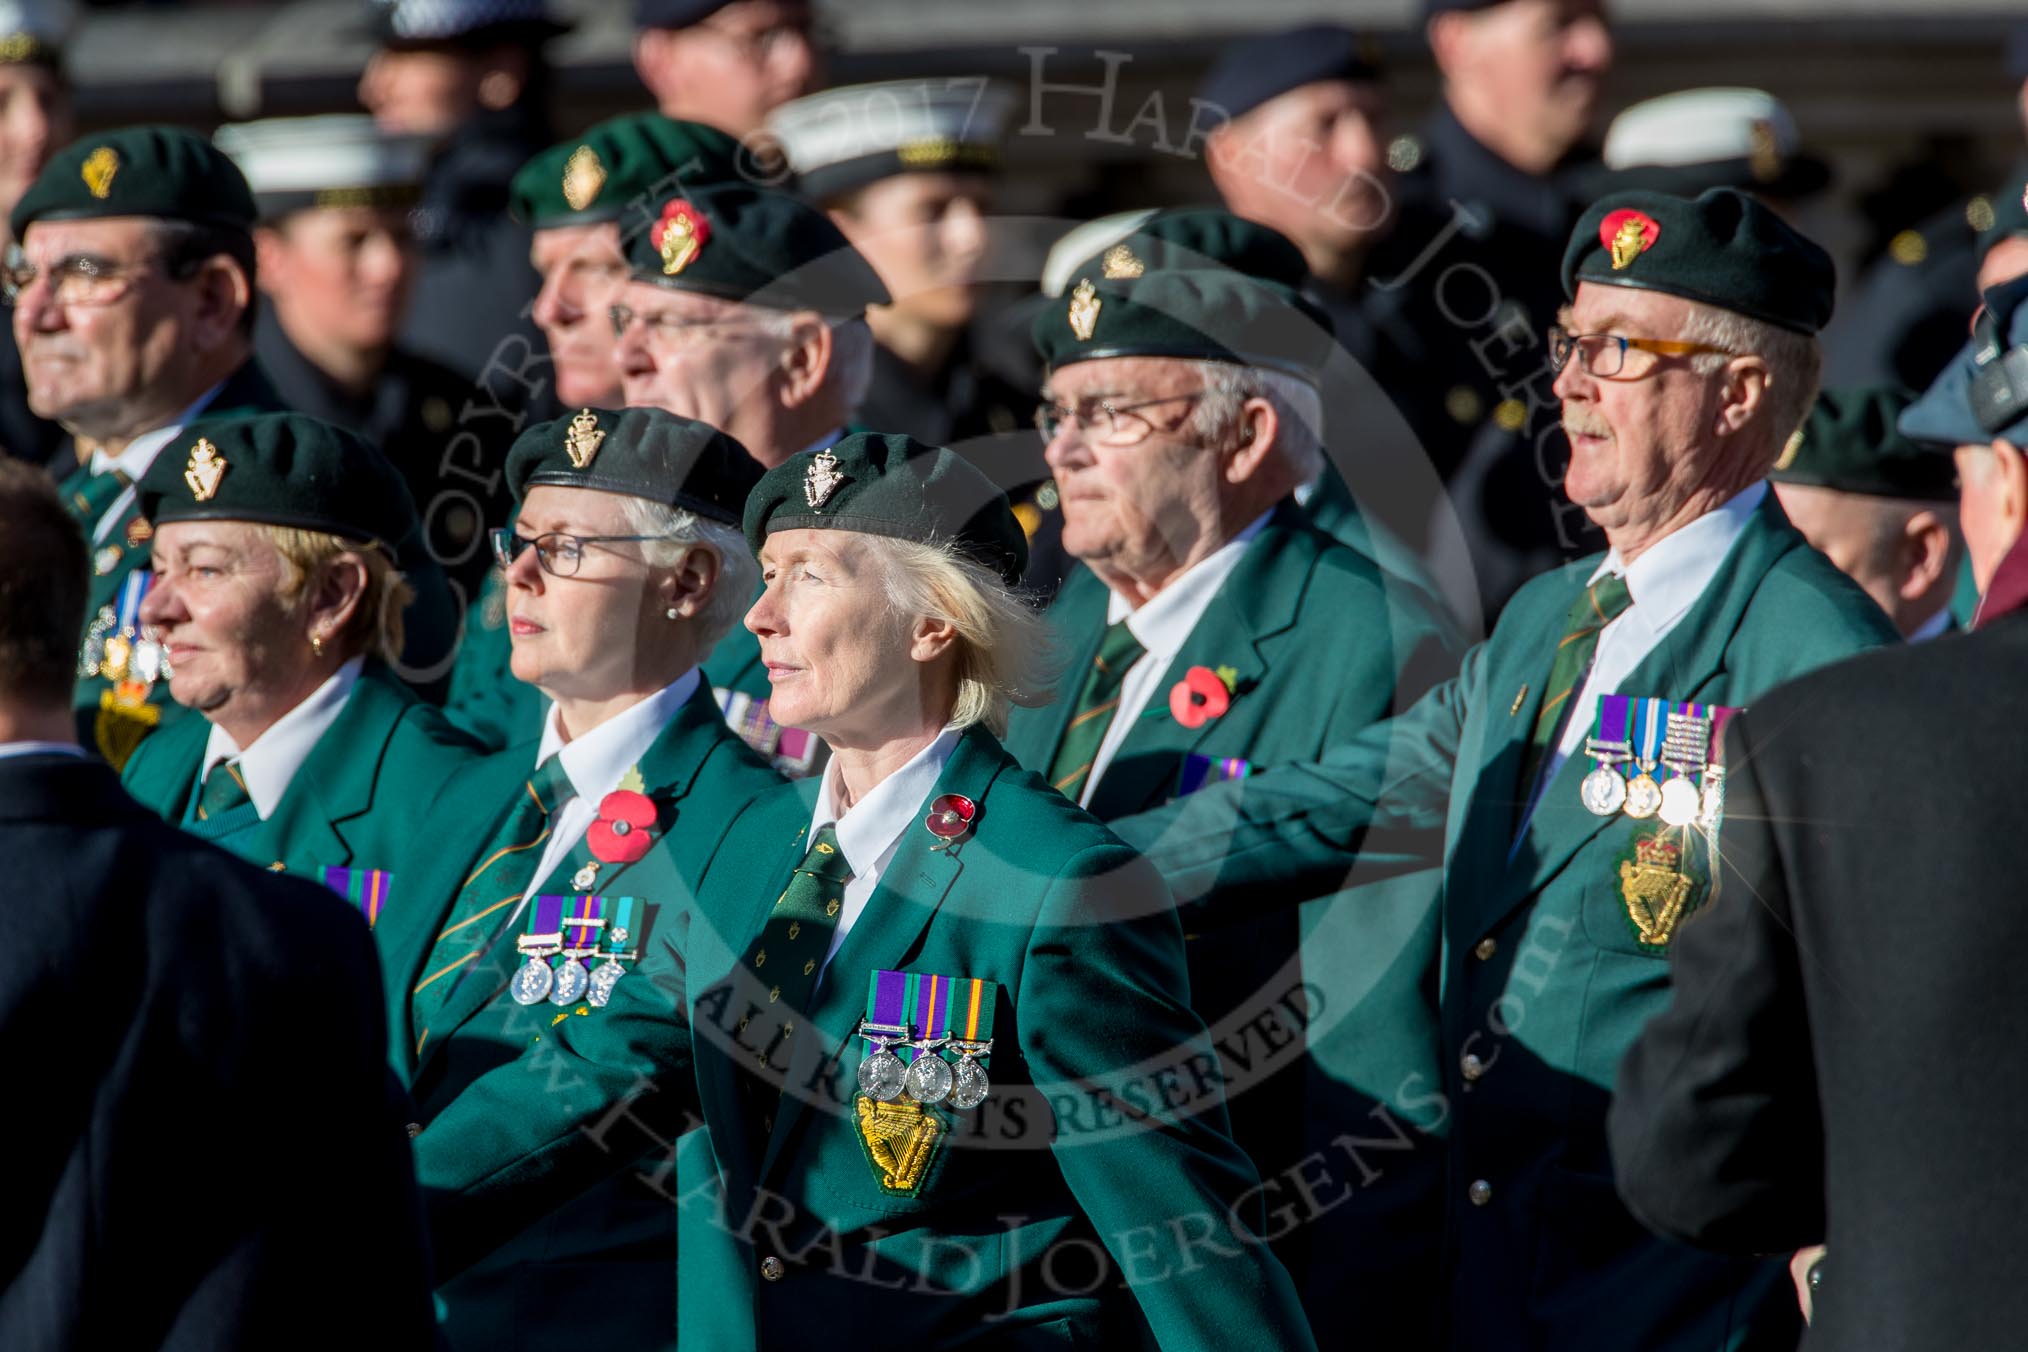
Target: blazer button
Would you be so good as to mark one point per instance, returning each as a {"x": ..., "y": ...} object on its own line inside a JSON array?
[
  {"x": 1481, "y": 1192},
  {"x": 772, "y": 1269},
  {"x": 414, "y": 1130},
  {"x": 1485, "y": 948},
  {"x": 1472, "y": 1067}
]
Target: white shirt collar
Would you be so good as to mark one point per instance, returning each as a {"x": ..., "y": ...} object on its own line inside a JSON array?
[
  {"x": 270, "y": 764},
  {"x": 142, "y": 450},
  {"x": 597, "y": 761},
  {"x": 1163, "y": 622},
  {"x": 873, "y": 826},
  {"x": 1667, "y": 579}
]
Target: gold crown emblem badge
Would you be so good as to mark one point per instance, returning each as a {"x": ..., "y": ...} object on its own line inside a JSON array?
[
  {"x": 581, "y": 443},
  {"x": 204, "y": 469},
  {"x": 98, "y": 170}
]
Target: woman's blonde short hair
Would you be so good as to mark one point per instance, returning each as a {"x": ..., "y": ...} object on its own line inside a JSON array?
[
  {"x": 375, "y": 628},
  {"x": 1004, "y": 652}
]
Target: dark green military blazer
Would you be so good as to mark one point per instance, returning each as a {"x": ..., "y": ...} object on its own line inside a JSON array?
[
  {"x": 1322, "y": 644},
  {"x": 533, "y": 1229},
  {"x": 356, "y": 799},
  {"x": 1101, "y": 1150},
  {"x": 1545, "y": 983}
]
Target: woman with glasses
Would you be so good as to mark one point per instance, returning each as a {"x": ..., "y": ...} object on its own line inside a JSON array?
[
  {"x": 929, "y": 1001},
  {"x": 274, "y": 607},
  {"x": 543, "y": 871}
]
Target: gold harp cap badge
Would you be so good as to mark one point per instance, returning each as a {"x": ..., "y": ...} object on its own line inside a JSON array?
[
  {"x": 204, "y": 469},
  {"x": 584, "y": 174},
  {"x": 1084, "y": 310},
  {"x": 98, "y": 171},
  {"x": 581, "y": 443}
]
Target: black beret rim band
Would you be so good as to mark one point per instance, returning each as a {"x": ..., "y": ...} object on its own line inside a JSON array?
[
  {"x": 237, "y": 224},
  {"x": 1308, "y": 375},
  {"x": 1688, "y": 293},
  {"x": 265, "y": 517},
  {"x": 873, "y": 525},
  {"x": 553, "y": 478}
]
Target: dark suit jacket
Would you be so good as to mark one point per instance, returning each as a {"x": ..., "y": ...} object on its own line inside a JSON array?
[
  {"x": 207, "y": 1151},
  {"x": 1835, "y": 1063}
]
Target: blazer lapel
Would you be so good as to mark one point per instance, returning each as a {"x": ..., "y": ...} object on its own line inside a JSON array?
[
  {"x": 335, "y": 783},
  {"x": 1259, "y": 599},
  {"x": 1678, "y": 668},
  {"x": 911, "y": 889}
]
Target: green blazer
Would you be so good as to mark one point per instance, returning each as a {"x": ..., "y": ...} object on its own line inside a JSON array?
[
  {"x": 1096, "y": 1144},
  {"x": 1323, "y": 644},
  {"x": 532, "y": 1222},
  {"x": 1544, "y": 982},
  {"x": 356, "y": 799}
]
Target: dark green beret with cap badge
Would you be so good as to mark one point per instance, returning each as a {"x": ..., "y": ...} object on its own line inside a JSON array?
[
  {"x": 279, "y": 469},
  {"x": 624, "y": 166},
  {"x": 896, "y": 486},
  {"x": 164, "y": 172},
  {"x": 757, "y": 246},
  {"x": 1722, "y": 248},
  {"x": 1184, "y": 238},
  {"x": 1850, "y": 443},
  {"x": 642, "y": 452}
]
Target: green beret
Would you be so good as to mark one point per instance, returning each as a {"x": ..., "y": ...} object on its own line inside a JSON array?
[
  {"x": 896, "y": 486},
  {"x": 757, "y": 246},
  {"x": 1201, "y": 237},
  {"x": 1199, "y": 315},
  {"x": 281, "y": 469},
  {"x": 1850, "y": 443},
  {"x": 1723, "y": 248},
  {"x": 164, "y": 172},
  {"x": 634, "y": 162},
  {"x": 642, "y": 452}
]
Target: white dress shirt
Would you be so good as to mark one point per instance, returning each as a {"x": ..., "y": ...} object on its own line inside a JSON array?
[
  {"x": 1664, "y": 583},
  {"x": 598, "y": 761},
  {"x": 871, "y": 831},
  {"x": 270, "y": 764},
  {"x": 1162, "y": 624},
  {"x": 135, "y": 460}
]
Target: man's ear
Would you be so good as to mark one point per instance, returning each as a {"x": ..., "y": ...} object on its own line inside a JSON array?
[
  {"x": 2010, "y": 464},
  {"x": 271, "y": 252},
  {"x": 807, "y": 362},
  {"x": 1259, "y": 428},
  {"x": 1927, "y": 544},
  {"x": 1743, "y": 396},
  {"x": 223, "y": 294}
]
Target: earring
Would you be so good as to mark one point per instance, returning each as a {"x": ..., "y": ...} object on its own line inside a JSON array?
[
  {"x": 317, "y": 644},
  {"x": 670, "y": 612}
]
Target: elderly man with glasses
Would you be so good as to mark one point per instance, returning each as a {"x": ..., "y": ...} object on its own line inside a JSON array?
[
  {"x": 133, "y": 311},
  {"x": 1213, "y": 631},
  {"x": 1573, "y": 766}
]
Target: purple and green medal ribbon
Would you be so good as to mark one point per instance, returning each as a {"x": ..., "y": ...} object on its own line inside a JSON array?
[
  {"x": 1200, "y": 771},
  {"x": 580, "y": 912},
  {"x": 1612, "y": 729},
  {"x": 365, "y": 888},
  {"x": 935, "y": 1006},
  {"x": 546, "y": 915}
]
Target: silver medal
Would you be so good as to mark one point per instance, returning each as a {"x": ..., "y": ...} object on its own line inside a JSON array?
[
  {"x": 1603, "y": 791},
  {"x": 929, "y": 1077},
  {"x": 147, "y": 662},
  {"x": 1680, "y": 802},
  {"x": 532, "y": 981},
  {"x": 1644, "y": 796},
  {"x": 603, "y": 978},
  {"x": 969, "y": 1086},
  {"x": 571, "y": 980},
  {"x": 881, "y": 1075}
]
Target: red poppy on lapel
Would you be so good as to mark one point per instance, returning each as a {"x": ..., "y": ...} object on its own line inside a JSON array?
[
  {"x": 624, "y": 829},
  {"x": 1199, "y": 697},
  {"x": 950, "y": 816}
]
